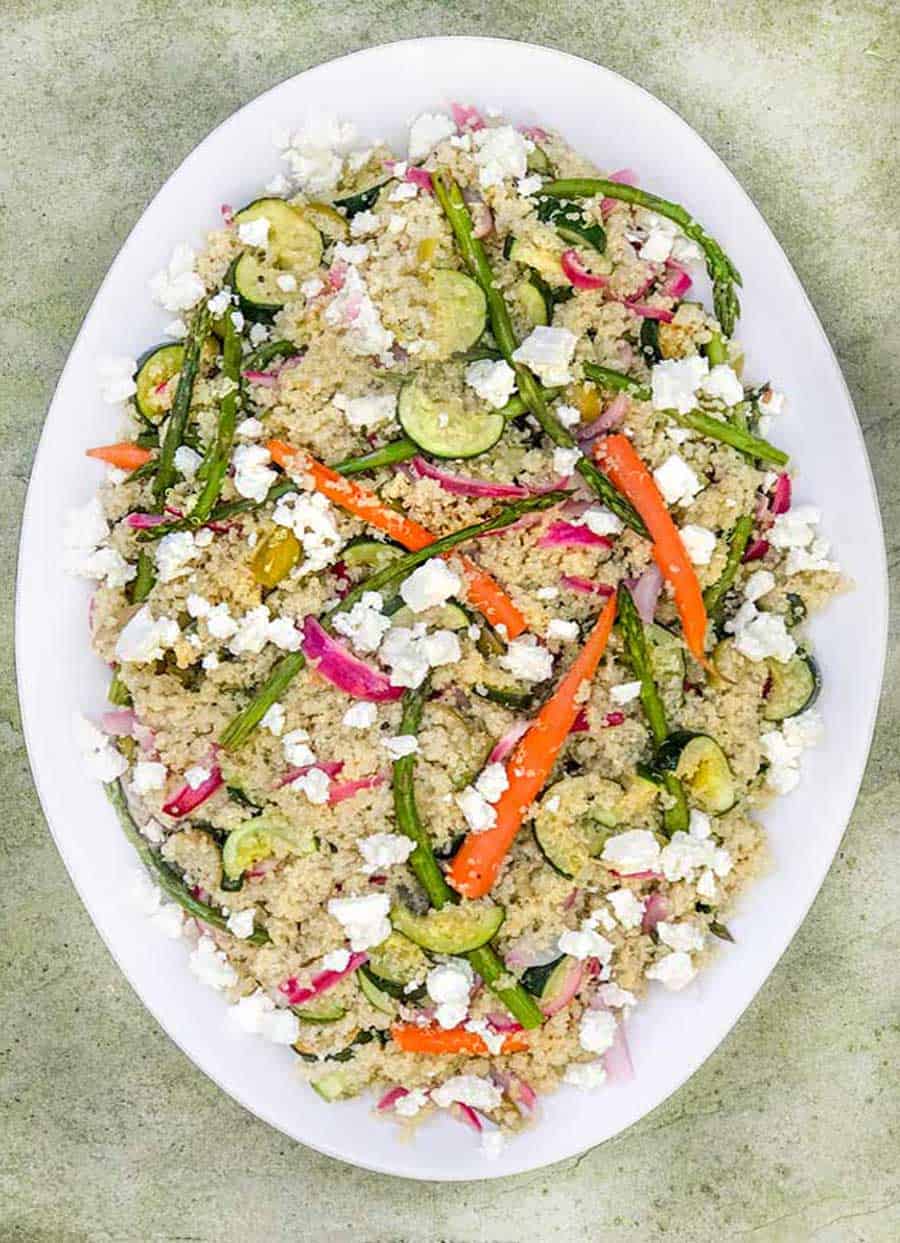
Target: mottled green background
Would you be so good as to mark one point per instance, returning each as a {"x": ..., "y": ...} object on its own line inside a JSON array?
[{"x": 790, "y": 1131}]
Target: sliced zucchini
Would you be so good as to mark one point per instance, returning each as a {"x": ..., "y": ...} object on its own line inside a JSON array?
[
  {"x": 793, "y": 686},
  {"x": 396, "y": 963},
  {"x": 446, "y": 429},
  {"x": 796, "y": 612},
  {"x": 507, "y": 696},
  {"x": 545, "y": 262},
  {"x": 561, "y": 985},
  {"x": 650, "y": 341},
  {"x": 451, "y": 930},
  {"x": 334, "y": 1085},
  {"x": 537, "y": 161},
  {"x": 294, "y": 243},
  {"x": 372, "y": 554},
  {"x": 321, "y": 1012},
  {"x": 701, "y": 766},
  {"x": 154, "y": 371},
  {"x": 255, "y": 283},
  {"x": 446, "y": 616},
  {"x": 255, "y": 839},
  {"x": 361, "y": 200},
  {"x": 573, "y": 821},
  {"x": 638, "y": 805},
  {"x": 458, "y": 311},
  {"x": 572, "y": 225},
  {"x": 534, "y": 979},
  {"x": 534, "y": 301},
  {"x": 666, "y": 659},
  {"x": 377, "y": 997},
  {"x": 330, "y": 223}
]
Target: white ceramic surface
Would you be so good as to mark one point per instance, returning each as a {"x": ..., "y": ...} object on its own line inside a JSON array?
[{"x": 617, "y": 124}]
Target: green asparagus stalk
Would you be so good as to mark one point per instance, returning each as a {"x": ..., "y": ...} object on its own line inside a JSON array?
[
  {"x": 728, "y": 433},
  {"x": 607, "y": 377},
  {"x": 265, "y": 354},
  {"x": 723, "y": 274},
  {"x": 142, "y": 583},
  {"x": 428, "y": 871},
  {"x": 737, "y": 546},
  {"x": 242, "y": 726},
  {"x": 117, "y": 692},
  {"x": 220, "y": 452},
  {"x": 178, "y": 418},
  {"x": 475, "y": 258}
]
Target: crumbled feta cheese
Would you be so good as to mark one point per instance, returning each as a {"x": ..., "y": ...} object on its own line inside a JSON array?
[
  {"x": 799, "y": 560},
  {"x": 442, "y": 648},
  {"x": 525, "y": 659},
  {"x": 783, "y": 749},
  {"x": 493, "y": 380},
  {"x": 148, "y": 775},
  {"x": 400, "y": 745},
  {"x": 564, "y": 460},
  {"x": 252, "y": 633},
  {"x": 220, "y": 303},
  {"x": 568, "y": 416},
  {"x": 315, "y": 784},
  {"x": 210, "y": 662},
  {"x": 176, "y": 328},
  {"x": 209, "y": 964},
  {"x": 312, "y": 286},
  {"x": 585, "y": 1075},
  {"x": 699, "y": 543},
  {"x": 258, "y": 1016},
  {"x": 685, "y": 936},
  {"x": 197, "y": 775},
  {"x": 625, "y": 692},
  {"x": 364, "y": 920},
  {"x": 760, "y": 635},
  {"x": 352, "y": 309},
  {"x": 220, "y": 623},
  {"x": 492, "y": 781},
  {"x": 404, "y": 654},
  {"x": 469, "y": 1090},
  {"x": 759, "y": 584},
  {"x": 674, "y": 971},
  {"x": 105, "y": 564},
  {"x": 101, "y": 759},
  {"x": 116, "y": 375},
  {"x": 411, "y": 1103},
  {"x": 240, "y": 923},
  {"x": 548, "y": 353},
  {"x": 629, "y": 909},
  {"x": 252, "y": 476},
  {"x": 336, "y": 960},
  {"x": 297, "y": 752},
  {"x": 687, "y": 854},
  {"x": 430, "y": 584},
  {"x": 479, "y": 813},
  {"x": 795, "y": 529},
  {"x": 449, "y": 985},
  {"x": 396, "y": 224},
  {"x": 354, "y": 254},
  {"x": 635, "y": 850},
  {"x": 699, "y": 824},
  {"x": 187, "y": 460},
  {"x": 381, "y": 851},
  {"x": 601, "y": 521},
  {"x": 706, "y": 886},
  {"x": 426, "y": 132},
  {"x": 286, "y": 282},
  {"x": 254, "y": 232},
  {"x": 676, "y": 481},
  {"x": 674, "y": 382},
  {"x": 585, "y": 943},
  {"x": 249, "y": 429},
  {"x": 174, "y": 554},
  {"x": 403, "y": 192},
  {"x": 273, "y": 720},
  {"x": 547, "y": 593},
  {"x": 369, "y": 411},
  {"x": 770, "y": 402},
  {"x": 614, "y": 997},
  {"x": 85, "y": 527},
  {"x": 361, "y": 715},
  {"x": 311, "y": 518},
  {"x": 500, "y": 152},
  {"x": 363, "y": 223},
  {"x": 722, "y": 383},
  {"x": 560, "y": 628},
  {"x": 145, "y": 638},
  {"x": 177, "y": 287},
  {"x": 597, "y": 1031},
  {"x": 315, "y": 164},
  {"x": 364, "y": 624},
  {"x": 601, "y": 917},
  {"x": 527, "y": 186}
]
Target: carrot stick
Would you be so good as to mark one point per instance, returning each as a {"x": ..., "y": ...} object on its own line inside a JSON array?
[
  {"x": 125, "y": 455},
  {"x": 412, "y": 1038},
  {"x": 477, "y": 862},
  {"x": 618, "y": 459},
  {"x": 482, "y": 591}
]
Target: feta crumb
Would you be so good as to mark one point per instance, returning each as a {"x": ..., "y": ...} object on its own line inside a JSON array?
[
  {"x": 409, "y": 1105},
  {"x": 500, "y": 152},
  {"x": 365, "y": 920},
  {"x": 430, "y": 584},
  {"x": 479, "y": 813},
  {"x": 548, "y": 353},
  {"x": 312, "y": 286},
  {"x": 564, "y": 460},
  {"x": 468, "y": 1090},
  {"x": 116, "y": 376},
  {"x": 629, "y": 910},
  {"x": 426, "y": 132},
  {"x": 527, "y": 186},
  {"x": 677, "y": 481},
  {"x": 527, "y": 660},
  {"x": 254, "y": 232},
  {"x": 658, "y": 244},
  {"x": 220, "y": 303},
  {"x": 196, "y": 775},
  {"x": 685, "y": 936},
  {"x": 493, "y": 380},
  {"x": 102, "y": 760},
  {"x": 209, "y": 964},
  {"x": 635, "y": 850},
  {"x": 177, "y": 287},
  {"x": 240, "y": 923},
  {"x": 400, "y": 745},
  {"x": 174, "y": 554},
  {"x": 369, "y": 411},
  {"x": 759, "y": 584},
  {"x": 297, "y": 752},
  {"x": 364, "y": 624},
  {"x": 674, "y": 382},
  {"x": 569, "y": 416},
  {"x": 601, "y": 521},
  {"x": 381, "y": 851},
  {"x": 364, "y": 222},
  {"x": 560, "y": 628},
  {"x": 722, "y": 383},
  {"x": 146, "y": 638},
  {"x": 403, "y": 192},
  {"x": 449, "y": 985},
  {"x": 674, "y": 971},
  {"x": 625, "y": 692},
  {"x": 760, "y": 635},
  {"x": 614, "y": 997},
  {"x": 547, "y": 593},
  {"x": 273, "y": 720},
  {"x": 187, "y": 460},
  {"x": 597, "y": 1031},
  {"x": 699, "y": 543},
  {"x": 250, "y": 429},
  {"x": 252, "y": 476},
  {"x": 311, "y": 517},
  {"x": 148, "y": 775},
  {"x": 361, "y": 715},
  {"x": 585, "y": 943},
  {"x": 585, "y": 1075},
  {"x": 257, "y": 1015},
  {"x": 315, "y": 784},
  {"x": 492, "y": 782}
]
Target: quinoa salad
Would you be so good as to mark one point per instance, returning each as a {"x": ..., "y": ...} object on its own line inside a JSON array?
[{"x": 453, "y": 593}]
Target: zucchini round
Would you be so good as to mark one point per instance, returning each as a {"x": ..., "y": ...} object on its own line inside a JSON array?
[
  {"x": 335, "y": 1085},
  {"x": 537, "y": 161},
  {"x": 371, "y": 554},
  {"x": 451, "y": 930},
  {"x": 458, "y": 311},
  {"x": 532, "y": 297},
  {"x": 446, "y": 616},
  {"x": 294, "y": 243},
  {"x": 793, "y": 686},
  {"x": 255, "y": 840},
  {"x": 395, "y": 963},
  {"x": 255, "y": 283},
  {"x": 666, "y": 660},
  {"x": 155, "y": 369},
  {"x": 446, "y": 430},
  {"x": 701, "y": 766},
  {"x": 361, "y": 200},
  {"x": 321, "y": 1012},
  {"x": 573, "y": 821},
  {"x": 376, "y": 996},
  {"x": 546, "y": 262},
  {"x": 534, "y": 979}
]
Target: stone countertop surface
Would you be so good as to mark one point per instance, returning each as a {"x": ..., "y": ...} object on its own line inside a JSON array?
[{"x": 791, "y": 1130}]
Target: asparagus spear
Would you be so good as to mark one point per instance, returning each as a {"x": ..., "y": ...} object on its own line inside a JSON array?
[
  {"x": 740, "y": 535},
  {"x": 607, "y": 377},
  {"x": 426, "y": 867},
  {"x": 475, "y": 258},
  {"x": 723, "y": 274},
  {"x": 264, "y": 354},
  {"x": 177, "y": 421},
  {"x": 142, "y": 583},
  {"x": 220, "y": 450}
]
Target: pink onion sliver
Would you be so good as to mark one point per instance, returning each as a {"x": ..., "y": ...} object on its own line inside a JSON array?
[
  {"x": 227, "y": 214},
  {"x": 656, "y": 910},
  {"x": 612, "y": 719},
  {"x": 645, "y": 875},
  {"x": 614, "y": 413},
  {"x": 297, "y": 994},
  {"x": 586, "y": 586},
  {"x": 466, "y": 1114},
  {"x": 464, "y": 485},
  {"x": 466, "y": 117},
  {"x": 347, "y": 789},
  {"x": 337, "y": 274},
  {"x": 504, "y": 746},
  {"x": 260, "y": 869},
  {"x": 645, "y": 593},
  {"x": 534, "y": 132},
  {"x": 578, "y": 275},
  {"x": 570, "y": 987},
  {"x": 482, "y": 220},
  {"x": 344, "y": 670},
  {"x": 331, "y": 768},
  {"x": 678, "y": 280},
  {"x": 519, "y": 1091},
  {"x": 571, "y": 899},
  {"x": 625, "y": 177},
  {"x": 571, "y": 535},
  {"x": 520, "y": 524},
  {"x": 781, "y": 496},
  {"x": 143, "y": 522},
  {"x": 650, "y": 312},
  {"x": 581, "y": 725},
  {"x": 617, "y": 1058},
  {"x": 420, "y": 177},
  {"x": 501, "y": 1022},
  {"x": 265, "y": 378},
  {"x": 390, "y": 1098},
  {"x": 120, "y": 724},
  {"x": 756, "y": 550},
  {"x": 187, "y": 799}
]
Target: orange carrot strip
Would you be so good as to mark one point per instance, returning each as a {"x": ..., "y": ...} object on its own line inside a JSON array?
[
  {"x": 482, "y": 591},
  {"x": 477, "y": 862},
  {"x": 621, "y": 464},
  {"x": 414, "y": 1039},
  {"x": 125, "y": 455}
]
